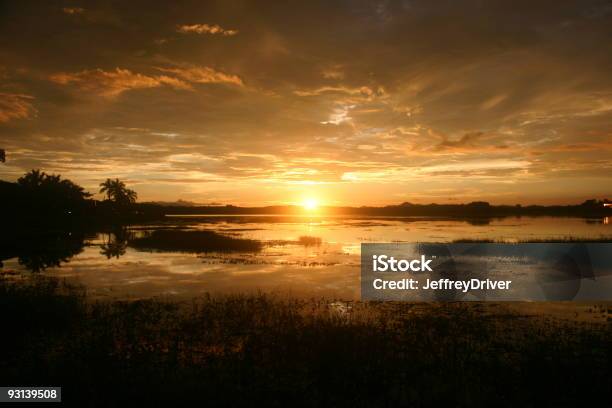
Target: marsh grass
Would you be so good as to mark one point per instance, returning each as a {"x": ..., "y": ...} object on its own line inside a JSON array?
[
  {"x": 194, "y": 241},
  {"x": 238, "y": 350}
]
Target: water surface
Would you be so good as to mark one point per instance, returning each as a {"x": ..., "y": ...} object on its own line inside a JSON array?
[{"x": 303, "y": 256}]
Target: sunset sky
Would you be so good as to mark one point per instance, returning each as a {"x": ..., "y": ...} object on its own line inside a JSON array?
[{"x": 344, "y": 102}]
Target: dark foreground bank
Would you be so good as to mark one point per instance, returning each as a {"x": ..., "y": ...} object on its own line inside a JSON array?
[{"x": 237, "y": 350}]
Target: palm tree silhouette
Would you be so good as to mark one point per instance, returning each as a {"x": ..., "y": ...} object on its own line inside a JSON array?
[
  {"x": 32, "y": 179},
  {"x": 109, "y": 187},
  {"x": 116, "y": 191},
  {"x": 129, "y": 195}
]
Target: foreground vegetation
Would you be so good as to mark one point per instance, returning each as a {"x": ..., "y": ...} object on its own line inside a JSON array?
[{"x": 235, "y": 350}]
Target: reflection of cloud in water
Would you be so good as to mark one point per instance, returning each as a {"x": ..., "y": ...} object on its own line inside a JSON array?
[{"x": 187, "y": 275}]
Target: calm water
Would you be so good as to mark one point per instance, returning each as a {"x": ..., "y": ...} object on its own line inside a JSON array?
[{"x": 324, "y": 264}]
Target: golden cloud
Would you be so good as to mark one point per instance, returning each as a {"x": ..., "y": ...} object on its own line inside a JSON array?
[
  {"x": 203, "y": 75},
  {"x": 113, "y": 83},
  {"x": 15, "y": 106},
  {"x": 360, "y": 91},
  {"x": 205, "y": 29},
  {"x": 73, "y": 10}
]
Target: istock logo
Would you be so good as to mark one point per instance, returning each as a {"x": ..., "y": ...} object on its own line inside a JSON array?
[{"x": 384, "y": 263}]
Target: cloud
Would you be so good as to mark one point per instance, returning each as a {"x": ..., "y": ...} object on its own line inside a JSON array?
[
  {"x": 73, "y": 10},
  {"x": 385, "y": 96},
  {"x": 203, "y": 75},
  {"x": 334, "y": 72},
  {"x": 467, "y": 142},
  {"x": 339, "y": 116},
  {"x": 205, "y": 29},
  {"x": 113, "y": 83},
  {"x": 473, "y": 167},
  {"x": 360, "y": 91},
  {"x": 15, "y": 106}
]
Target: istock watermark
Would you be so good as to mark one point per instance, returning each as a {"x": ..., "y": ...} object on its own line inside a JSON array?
[
  {"x": 486, "y": 271},
  {"x": 384, "y": 263}
]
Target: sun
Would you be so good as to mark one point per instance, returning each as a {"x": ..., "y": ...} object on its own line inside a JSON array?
[{"x": 310, "y": 204}]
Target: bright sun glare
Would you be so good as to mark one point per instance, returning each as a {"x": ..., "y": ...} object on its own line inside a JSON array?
[{"x": 310, "y": 204}]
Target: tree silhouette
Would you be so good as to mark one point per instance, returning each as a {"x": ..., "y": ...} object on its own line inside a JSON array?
[
  {"x": 116, "y": 191},
  {"x": 51, "y": 187},
  {"x": 2, "y": 156},
  {"x": 32, "y": 180},
  {"x": 46, "y": 197},
  {"x": 107, "y": 187}
]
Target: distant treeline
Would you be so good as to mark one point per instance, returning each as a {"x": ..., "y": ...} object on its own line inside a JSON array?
[
  {"x": 589, "y": 208},
  {"x": 40, "y": 199}
]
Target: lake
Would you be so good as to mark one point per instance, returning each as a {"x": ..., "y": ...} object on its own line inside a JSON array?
[{"x": 299, "y": 256}]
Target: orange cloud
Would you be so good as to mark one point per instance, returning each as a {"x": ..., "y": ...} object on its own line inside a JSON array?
[
  {"x": 203, "y": 75},
  {"x": 73, "y": 10},
  {"x": 205, "y": 29},
  {"x": 361, "y": 91},
  {"x": 114, "y": 83},
  {"x": 15, "y": 106}
]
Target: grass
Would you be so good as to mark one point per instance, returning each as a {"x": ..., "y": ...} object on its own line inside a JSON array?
[
  {"x": 194, "y": 241},
  {"x": 234, "y": 350}
]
